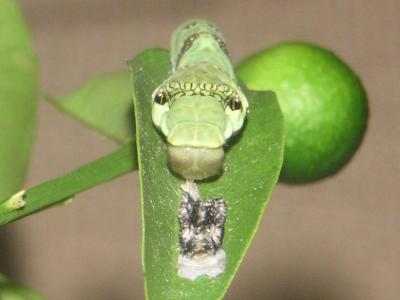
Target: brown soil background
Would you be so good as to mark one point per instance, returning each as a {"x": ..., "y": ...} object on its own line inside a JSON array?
[{"x": 336, "y": 239}]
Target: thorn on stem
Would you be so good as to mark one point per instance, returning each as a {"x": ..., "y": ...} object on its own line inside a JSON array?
[{"x": 15, "y": 202}]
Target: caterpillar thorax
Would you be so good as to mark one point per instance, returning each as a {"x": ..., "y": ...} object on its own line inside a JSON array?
[
  {"x": 200, "y": 41},
  {"x": 200, "y": 105}
]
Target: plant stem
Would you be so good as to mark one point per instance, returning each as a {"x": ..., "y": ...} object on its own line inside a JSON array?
[{"x": 54, "y": 191}]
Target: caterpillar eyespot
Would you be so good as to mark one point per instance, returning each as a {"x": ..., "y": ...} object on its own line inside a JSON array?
[
  {"x": 234, "y": 103},
  {"x": 160, "y": 98}
]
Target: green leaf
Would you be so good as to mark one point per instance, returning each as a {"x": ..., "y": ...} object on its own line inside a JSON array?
[
  {"x": 104, "y": 104},
  {"x": 63, "y": 188},
  {"x": 11, "y": 290},
  {"x": 18, "y": 97},
  {"x": 253, "y": 166}
]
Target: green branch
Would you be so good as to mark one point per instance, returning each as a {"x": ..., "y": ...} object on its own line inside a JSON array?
[{"x": 62, "y": 188}]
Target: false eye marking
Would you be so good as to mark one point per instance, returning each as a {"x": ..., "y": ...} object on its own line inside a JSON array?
[
  {"x": 234, "y": 103},
  {"x": 160, "y": 97}
]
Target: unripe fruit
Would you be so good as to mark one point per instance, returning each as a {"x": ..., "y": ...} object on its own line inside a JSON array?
[{"x": 323, "y": 103}]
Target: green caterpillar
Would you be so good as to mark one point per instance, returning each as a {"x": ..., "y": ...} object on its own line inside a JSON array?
[{"x": 200, "y": 106}]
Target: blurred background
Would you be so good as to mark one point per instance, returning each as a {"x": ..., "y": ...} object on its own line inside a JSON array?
[{"x": 335, "y": 239}]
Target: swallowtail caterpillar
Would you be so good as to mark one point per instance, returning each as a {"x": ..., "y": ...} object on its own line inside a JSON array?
[
  {"x": 200, "y": 105},
  {"x": 201, "y": 233}
]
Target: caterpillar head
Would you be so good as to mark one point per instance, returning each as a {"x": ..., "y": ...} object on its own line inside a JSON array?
[{"x": 196, "y": 127}]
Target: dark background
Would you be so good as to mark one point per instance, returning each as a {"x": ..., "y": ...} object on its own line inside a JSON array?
[{"x": 334, "y": 240}]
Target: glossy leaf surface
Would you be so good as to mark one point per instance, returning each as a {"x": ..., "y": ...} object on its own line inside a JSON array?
[
  {"x": 253, "y": 164},
  {"x": 18, "y": 97}
]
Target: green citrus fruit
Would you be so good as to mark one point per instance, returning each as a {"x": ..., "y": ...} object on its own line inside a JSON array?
[{"x": 323, "y": 103}]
